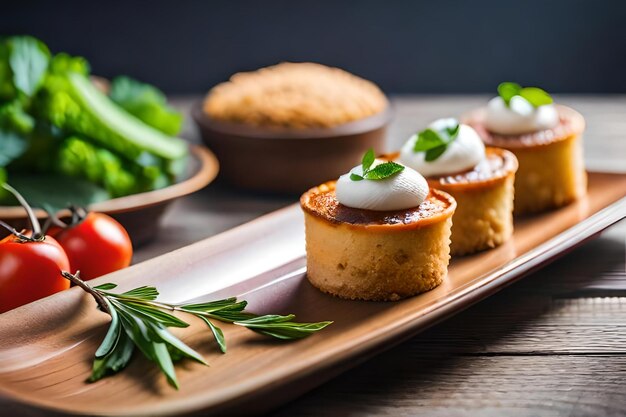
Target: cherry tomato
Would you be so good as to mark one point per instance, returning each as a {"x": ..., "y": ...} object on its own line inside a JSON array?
[
  {"x": 95, "y": 245},
  {"x": 30, "y": 270}
]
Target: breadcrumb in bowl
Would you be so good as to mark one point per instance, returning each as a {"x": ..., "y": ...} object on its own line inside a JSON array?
[{"x": 266, "y": 144}]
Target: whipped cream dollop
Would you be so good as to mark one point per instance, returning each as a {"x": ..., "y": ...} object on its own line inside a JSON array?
[
  {"x": 519, "y": 116},
  {"x": 403, "y": 190},
  {"x": 465, "y": 152}
]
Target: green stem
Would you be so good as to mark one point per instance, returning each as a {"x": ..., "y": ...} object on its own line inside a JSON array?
[{"x": 34, "y": 222}]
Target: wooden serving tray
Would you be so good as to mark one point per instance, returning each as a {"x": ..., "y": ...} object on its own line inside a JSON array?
[{"x": 46, "y": 348}]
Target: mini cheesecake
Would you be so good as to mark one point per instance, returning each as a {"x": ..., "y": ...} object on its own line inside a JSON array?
[
  {"x": 363, "y": 254},
  {"x": 551, "y": 170},
  {"x": 484, "y": 194},
  {"x": 453, "y": 158}
]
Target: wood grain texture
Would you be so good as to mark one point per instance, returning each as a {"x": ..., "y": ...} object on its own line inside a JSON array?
[
  {"x": 490, "y": 360},
  {"x": 46, "y": 361}
]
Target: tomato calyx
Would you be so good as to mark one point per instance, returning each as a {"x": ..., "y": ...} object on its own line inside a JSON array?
[
  {"x": 37, "y": 235},
  {"x": 77, "y": 216}
]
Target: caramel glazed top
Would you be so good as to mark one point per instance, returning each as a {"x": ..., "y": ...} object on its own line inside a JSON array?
[
  {"x": 497, "y": 165},
  {"x": 322, "y": 203},
  {"x": 570, "y": 123}
]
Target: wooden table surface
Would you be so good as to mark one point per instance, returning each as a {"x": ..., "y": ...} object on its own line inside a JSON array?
[{"x": 554, "y": 344}]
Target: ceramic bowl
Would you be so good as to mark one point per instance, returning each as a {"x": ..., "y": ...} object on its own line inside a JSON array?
[
  {"x": 140, "y": 213},
  {"x": 288, "y": 160}
]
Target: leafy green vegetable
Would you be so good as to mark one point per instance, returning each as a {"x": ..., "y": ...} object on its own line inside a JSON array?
[
  {"x": 28, "y": 60},
  {"x": 11, "y": 146},
  {"x": 379, "y": 172},
  {"x": 63, "y": 63},
  {"x": 147, "y": 103},
  {"x": 72, "y": 103},
  {"x": 13, "y": 117},
  {"x": 54, "y": 121},
  {"x": 81, "y": 159},
  {"x": 37, "y": 190},
  {"x": 534, "y": 95},
  {"x": 435, "y": 142}
]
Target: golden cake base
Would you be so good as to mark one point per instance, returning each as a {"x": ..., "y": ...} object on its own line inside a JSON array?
[
  {"x": 549, "y": 176},
  {"x": 483, "y": 218},
  {"x": 377, "y": 263}
]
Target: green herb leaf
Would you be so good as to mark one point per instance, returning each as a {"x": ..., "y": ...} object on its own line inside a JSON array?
[
  {"x": 434, "y": 153},
  {"x": 216, "y": 305},
  {"x": 379, "y": 172},
  {"x": 149, "y": 312},
  {"x": 106, "y": 287},
  {"x": 428, "y": 139},
  {"x": 368, "y": 160},
  {"x": 143, "y": 293},
  {"x": 508, "y": 90},
  {"x": 434, "y": 143},
  {"x": 282, "y": 327},
  {"x": 116, "y": 360},
  {"x": 217, "y": 334},
  {"x": 536, "y": 96},
  {"x": 453, "y": 132},
  {"x": 164, "y": 336},
  {"x": 110, "y": 340},
  {"x": 384, "y": 170},
  {"x": 137, "y": 321}
]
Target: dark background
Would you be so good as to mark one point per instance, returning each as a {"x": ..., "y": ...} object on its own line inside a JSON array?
[{"x": 449, "y": 46}]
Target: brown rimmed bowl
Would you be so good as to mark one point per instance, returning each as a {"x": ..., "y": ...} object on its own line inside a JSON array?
[
  {"x": 140, "y": 213},
  {"x": 289, "y": 160}
]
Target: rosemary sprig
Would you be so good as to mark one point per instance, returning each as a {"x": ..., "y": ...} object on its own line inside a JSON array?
[{"x": 138, "y": 321}]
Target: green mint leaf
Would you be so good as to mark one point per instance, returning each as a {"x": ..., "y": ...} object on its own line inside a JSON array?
[
  {"x": 427, "y": 139},
  {"x": 435, "y": 153},
  {"x": 356, "y": 177},
  {"x": 536, "y": 96},
  {"x": 453, "y": 132},
  {"x": 368, "y": 160},
  {"x": 508, "y": 90},
  {"x": 383, "y": 171},
  {"x": 434, "y": 143}
]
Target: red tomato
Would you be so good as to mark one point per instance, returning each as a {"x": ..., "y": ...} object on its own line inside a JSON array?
[
  {"x": 96, "y": 245},
  {"x": 30, "y": 271}
]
